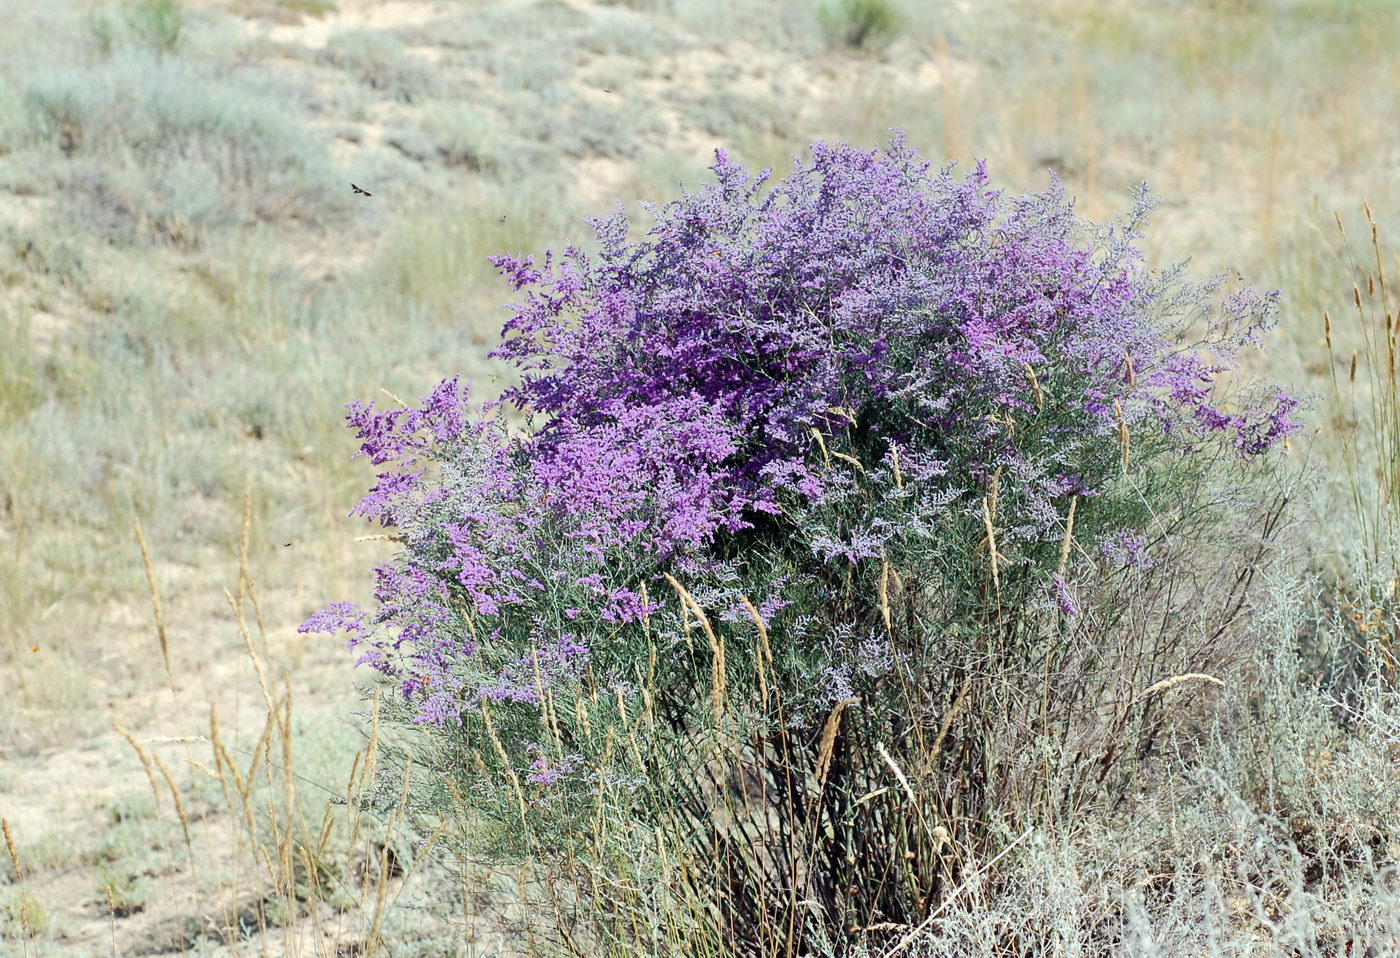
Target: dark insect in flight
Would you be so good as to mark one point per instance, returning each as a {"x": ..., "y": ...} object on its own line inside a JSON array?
[{"x": 359, "y": 191}]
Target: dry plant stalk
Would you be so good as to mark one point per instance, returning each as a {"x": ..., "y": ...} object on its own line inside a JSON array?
[
  {"x": 885, "y": 595},
  {"x": 505, "y": 762},
  {"x": 1069, "y": 536},
  {"x": 547, "y": 706},
  {"x": 828, "y": 742},
  {"x": 25, "y": 930},
  {"x": 1035, "y": 385},
  {"x": 851, "y": 459},
  {"x": 252, "y": 652},
  {"x": 145, "y": 758},
  {"x": 992, "y": 553},
  {"x": 1372, "y": 477},
  {"x": 111, "y": 917},
  {"x": 1124, "y": 440},
  {"x": 245, "y": 533},
  {"x": 257, "y": 613},
  {"x": 155, "y": 598},
  {"x": 765, "y": 652},
  {"x": 898, "y": 773},
  {"x": 11, "y": 848},
  {"x": 1176, "y": 680},
  {"x": 718, "y": 685},
  {"x": 948, "y": 719},
  {"x": 382, "y": 880},
  {"x": 179, "y": 802}
]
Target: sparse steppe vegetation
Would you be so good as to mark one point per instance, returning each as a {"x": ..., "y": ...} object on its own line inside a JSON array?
[{"x": 189, "y": 292}]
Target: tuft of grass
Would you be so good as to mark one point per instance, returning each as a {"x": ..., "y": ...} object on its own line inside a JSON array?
[
  {"x": 1361, "y": 336},
  {"x": 155, "y": 26},
  {"x": 437, "y": 260},
  {"x": 863, "y": 26},
  {"x": 122, "y": 892},
  {"x": 25, "y": 917},
  {"x": 160, "y": 24}
]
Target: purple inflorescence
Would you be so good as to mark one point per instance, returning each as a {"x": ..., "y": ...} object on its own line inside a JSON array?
[{"x": 678, "y": 390}]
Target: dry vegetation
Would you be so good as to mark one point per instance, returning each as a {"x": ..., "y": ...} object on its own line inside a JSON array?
[{"x": 189, "y": 290}]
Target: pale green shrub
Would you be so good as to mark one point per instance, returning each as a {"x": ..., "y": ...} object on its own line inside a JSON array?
[
  {"x": 167, "y": 148},
  {"x": 381, "y": 62}
]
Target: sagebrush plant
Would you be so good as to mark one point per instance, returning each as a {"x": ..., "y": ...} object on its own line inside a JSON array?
[{"x": 761, "y": 604}]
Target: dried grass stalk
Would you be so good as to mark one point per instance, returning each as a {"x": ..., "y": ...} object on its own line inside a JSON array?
[
  {"x": 156, "y": 607},
  {"x": 718, "y": 684}
]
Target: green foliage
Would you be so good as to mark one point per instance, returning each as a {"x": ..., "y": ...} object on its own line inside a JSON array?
[
  {"x": 160, "y": 24},
  {"x": 866, "y": 26}
]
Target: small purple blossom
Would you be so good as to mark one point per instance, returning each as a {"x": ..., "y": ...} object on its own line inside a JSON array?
[
  {"x": 1127, "y": 549},
  {"x": 1063, "y": 596},
  {"x": 546, "y": 773}
]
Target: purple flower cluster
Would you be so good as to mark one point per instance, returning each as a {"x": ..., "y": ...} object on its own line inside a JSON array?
[
  {"x": 868, "y": 322},
  {"x": 1127, "y": 549}
]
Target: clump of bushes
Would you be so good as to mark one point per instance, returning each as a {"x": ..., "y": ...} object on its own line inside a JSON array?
[
  {"x": 160, "y": 147},
  {"x": 835, "y": 532},
  {"x": 381, "y": 62}
]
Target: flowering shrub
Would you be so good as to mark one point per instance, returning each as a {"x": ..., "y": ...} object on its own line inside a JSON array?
[{"x": 778, "y": 456}]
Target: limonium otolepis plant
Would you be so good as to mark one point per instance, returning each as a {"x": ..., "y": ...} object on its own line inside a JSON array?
[{"x": 804, "y": 502}]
